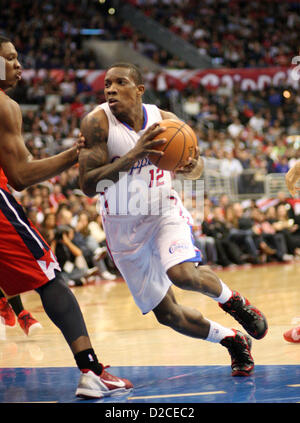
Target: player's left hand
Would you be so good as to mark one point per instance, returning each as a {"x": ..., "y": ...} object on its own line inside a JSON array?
[{"x": 194, "y": 167}]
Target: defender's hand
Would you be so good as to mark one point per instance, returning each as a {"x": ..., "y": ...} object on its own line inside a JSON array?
[{"x": 80, "y": 142}]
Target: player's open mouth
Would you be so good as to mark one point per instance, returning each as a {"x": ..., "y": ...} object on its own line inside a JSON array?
[{"x": 112, "y": 101}]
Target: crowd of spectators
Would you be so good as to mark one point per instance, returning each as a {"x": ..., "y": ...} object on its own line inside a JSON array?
[
  {"x": 50, "y": 34},
  {"x": 242, "y": 233},
  {"x": 237, "y": 130},
  {"x": 234, "y": 33},
  {"x": 246, "y": 130}
]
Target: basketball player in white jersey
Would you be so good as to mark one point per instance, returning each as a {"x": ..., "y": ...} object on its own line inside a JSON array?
[{"x": 146, "y": 226}]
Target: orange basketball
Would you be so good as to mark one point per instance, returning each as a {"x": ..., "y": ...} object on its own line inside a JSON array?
[{"x": 181, "y": 145}]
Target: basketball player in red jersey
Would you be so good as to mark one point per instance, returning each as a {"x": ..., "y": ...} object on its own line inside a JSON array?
[
  {"x": 154, "y": 250},
  {"x": 26, "y": 261},
  {"x": 291, "y": 179}
]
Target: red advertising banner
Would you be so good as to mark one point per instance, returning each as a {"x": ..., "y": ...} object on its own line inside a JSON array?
[{"x": 247, "y": 79}]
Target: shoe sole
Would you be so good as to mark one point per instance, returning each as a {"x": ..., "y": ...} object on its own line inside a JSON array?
[
  {"x": 244, "y": 373},
  {"x": 261, "y": 326},
  {"x": 87, "y": 393},
  {"x": 35, "y": 328}
]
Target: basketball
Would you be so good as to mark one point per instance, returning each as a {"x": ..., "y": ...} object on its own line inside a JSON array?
[{"x": 181, "y": 144}]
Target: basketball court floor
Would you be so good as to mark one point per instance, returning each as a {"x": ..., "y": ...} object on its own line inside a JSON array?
[{"x": 164, "y": 366}]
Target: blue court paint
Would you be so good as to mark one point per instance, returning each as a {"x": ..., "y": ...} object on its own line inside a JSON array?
[{"x": 157, "y": 384}]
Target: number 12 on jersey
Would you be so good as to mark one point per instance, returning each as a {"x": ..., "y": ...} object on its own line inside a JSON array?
[{"x": 155, "y": 176}]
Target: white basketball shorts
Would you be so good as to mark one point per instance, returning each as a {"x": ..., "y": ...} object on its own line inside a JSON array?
[{"x": 144, "y": 248}]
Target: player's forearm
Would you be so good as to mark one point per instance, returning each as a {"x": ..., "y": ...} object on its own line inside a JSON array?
[
  {"x": 91, "y": 181},
  {"x": 35, "y": 171}
]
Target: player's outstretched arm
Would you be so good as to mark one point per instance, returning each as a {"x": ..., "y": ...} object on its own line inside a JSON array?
[
  {"x": 292, "y": 177},
  {"x": 19, "y": 167}
]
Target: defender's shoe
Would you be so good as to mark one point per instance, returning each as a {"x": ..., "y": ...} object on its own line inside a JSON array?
[
  {"x": 92, "y": 386},
  {"x": 28, "y": 323},
  {"x": 7, "y": 313},
  {"x": 292, "y": 335},
  {"x": 239, "y": 346},
  {"x": 252, "y": 320}
]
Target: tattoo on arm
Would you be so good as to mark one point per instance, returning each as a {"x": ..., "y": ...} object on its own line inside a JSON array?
[
  {"x": 91, "y": 159},
  {"x": 94, "y": 156},
  {"x": 92, "y": 131}
]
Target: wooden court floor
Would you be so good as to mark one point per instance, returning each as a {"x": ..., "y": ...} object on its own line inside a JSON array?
[{"x": 122, "y": 336}]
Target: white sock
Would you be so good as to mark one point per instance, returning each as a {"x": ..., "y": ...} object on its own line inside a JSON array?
[
  {"x": 218, "y": 332},
  {"x": 226, "y": 293}
]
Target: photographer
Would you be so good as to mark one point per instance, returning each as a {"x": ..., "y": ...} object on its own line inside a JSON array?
[
  {"x": 94, "y": 252},
  {"x": 71, "y": 260}
]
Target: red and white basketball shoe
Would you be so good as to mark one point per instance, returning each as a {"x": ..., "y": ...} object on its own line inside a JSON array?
[
  {"x": 91, "y": 385},
  {"x": 28, "y": 323},
  {"x": 6, "y": 313},
  {"x": 292, "y": 335}
]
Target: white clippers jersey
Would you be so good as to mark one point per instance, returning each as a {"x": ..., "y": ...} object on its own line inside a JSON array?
[{"x": 144, "y": 189}]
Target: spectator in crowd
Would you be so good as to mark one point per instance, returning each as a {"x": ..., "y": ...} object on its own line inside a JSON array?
[
  {"x": 228, "y": 252},
  {"x": 205, "y": 243},
  {"x": 273, "y": 239},
  {"x": 283, "y": 224},
  {"x": 230, "y": 166},
  {"x": 245, "y": 233},
  {"x": 98, "y": 252},
  {"x": 70, "y": 257}
]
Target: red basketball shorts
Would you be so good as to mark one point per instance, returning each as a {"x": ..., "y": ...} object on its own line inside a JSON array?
[{"x": 26, "y": 260}]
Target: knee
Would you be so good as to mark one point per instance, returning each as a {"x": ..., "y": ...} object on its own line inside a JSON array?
[{"x": 56, "y": 289}]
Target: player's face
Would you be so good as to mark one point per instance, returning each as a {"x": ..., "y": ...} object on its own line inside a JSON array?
[
  {"x": 12, "y": 68},
  {"x": 121, "y": 91}
]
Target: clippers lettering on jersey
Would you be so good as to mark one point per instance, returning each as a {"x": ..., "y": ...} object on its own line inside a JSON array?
[
  {"x": 139, "y": 165},
  {"x": 178, "y": 246}
]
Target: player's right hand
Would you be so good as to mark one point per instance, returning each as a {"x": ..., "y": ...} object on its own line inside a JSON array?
[{"x": 148, "y": 141}]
